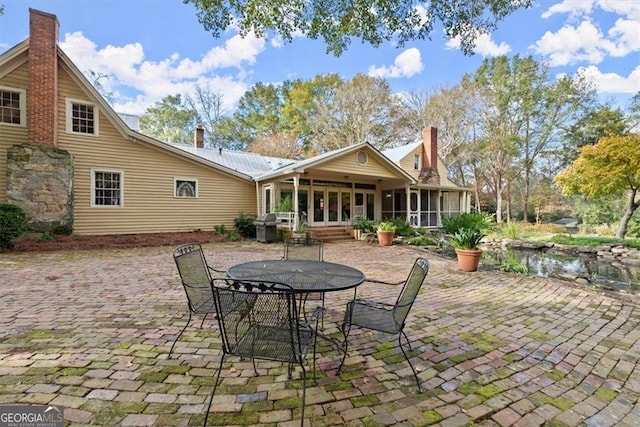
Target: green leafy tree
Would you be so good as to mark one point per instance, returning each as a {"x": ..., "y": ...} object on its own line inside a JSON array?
[
  {"x": 520, "y": 122},
  {"x": 611, "y": 167},
  {"x": 374, "y": 21},
  {"x": 258, "y": 115},
  {"x": 169, "y": 120},
  {"x": 595, "y": 123}
]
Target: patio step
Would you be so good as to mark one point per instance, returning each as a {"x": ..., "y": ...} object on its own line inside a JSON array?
[{"x": 330, "y": 234}]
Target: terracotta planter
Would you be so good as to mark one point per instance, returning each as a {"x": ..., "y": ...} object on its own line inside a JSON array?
[
  {"x": 468, "y": 259},
  {"x": 385, "y": 238}
]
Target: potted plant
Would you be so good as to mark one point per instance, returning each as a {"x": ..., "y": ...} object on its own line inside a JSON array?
[
  {"x": 465, "y": 232},
  {"x": 300, "y": 230},
  {"x": 386, "y": 230}
]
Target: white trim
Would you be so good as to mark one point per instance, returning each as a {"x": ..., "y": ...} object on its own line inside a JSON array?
[
  {"x": 175, "y": 187},
  {"x": 69, "y": 119},
  {"x": 93, "y": 188},
  {"x": 22, "y": 106}
]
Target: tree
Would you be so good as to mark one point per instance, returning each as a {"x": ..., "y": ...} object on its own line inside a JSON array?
[
  {"x": 96, "y": 78},
  {"x": 374, "y": 21},
  {"x": 522, "y": 119},
  {"x": 257, "y": 115},
  {"x": 209, "y": 112},
  {"x": 595, "y": 123},
  {"x": 611, "y": 167},
  {"x": 169, "y": 120},
  {"x": 362, "y": 109},
  {"x": 281, "y": 144}
]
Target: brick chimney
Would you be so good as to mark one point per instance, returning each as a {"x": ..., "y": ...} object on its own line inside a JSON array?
[
  {"x": 429, "y": 173},
  {"x": 198, "y": 137},
  {"x": 42, "y": 95}
]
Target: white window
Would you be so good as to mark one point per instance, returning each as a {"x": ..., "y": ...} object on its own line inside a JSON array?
[
  {"x": 185, "y": 187},
  {"x": 107, "y": 188},
  {"x": 13, "y": 110},
  {"x": 82, "y": 117},
  {"x": 416, "y": 161}
]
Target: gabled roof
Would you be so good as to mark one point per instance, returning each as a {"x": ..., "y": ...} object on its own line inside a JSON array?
[
  {"x": 303, "y": 165},
  {"x": 115, "y": 118},
  {"x": 251, "y": 164}
]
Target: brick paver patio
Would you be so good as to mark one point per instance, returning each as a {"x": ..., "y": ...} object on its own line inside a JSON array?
[{"x": 91, "y": 330}]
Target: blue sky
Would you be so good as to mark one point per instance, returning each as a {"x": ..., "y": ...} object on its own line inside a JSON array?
[{"x": 154, "y": 48}]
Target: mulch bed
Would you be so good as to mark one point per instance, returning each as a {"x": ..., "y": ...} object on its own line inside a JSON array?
[{"x": 61, "y": 243}]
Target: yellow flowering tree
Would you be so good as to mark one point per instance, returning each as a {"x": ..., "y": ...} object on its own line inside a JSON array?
[{"x": 610, "y": 167}]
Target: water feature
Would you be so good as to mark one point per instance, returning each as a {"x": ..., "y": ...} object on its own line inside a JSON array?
[{"x": 601, "y": 273}]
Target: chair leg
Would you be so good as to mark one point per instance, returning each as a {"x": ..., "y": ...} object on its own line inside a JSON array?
[
  {"x": 215, "y": 386},
  {"x": 203, "y": 319},
  {"x": 415, "y": 374},
  {"x": 346, "y": 328},
  {"x": 179, "y": 335},
  {"x": 304, "y": 393}
]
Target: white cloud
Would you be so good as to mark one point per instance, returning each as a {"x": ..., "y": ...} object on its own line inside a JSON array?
[
  {"x": 573, "y": 44},
  {"x": 574, "y": 7},
  {"x": 138, "y": 82},
  {"x": 406, "y": 64},
  {"x": 586, "y": 42},
  {"x": 484, "y": 45},
  {"x": 612, "y": 82}
]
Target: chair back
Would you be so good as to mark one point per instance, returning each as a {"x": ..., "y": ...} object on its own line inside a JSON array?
[
  {"x": 303, "y": 249},
  {"x": 195, "y": 277},
  {"x": 260, "y": 321},
  {"x": 410, "y": 290}
]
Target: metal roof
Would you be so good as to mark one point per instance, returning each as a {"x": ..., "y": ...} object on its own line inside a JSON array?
[
  {"x": 398, "y": 153},
  {"x": 251, "y": 164}
]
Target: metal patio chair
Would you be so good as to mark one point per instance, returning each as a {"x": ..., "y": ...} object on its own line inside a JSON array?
[
  {"x": 306, "y": 249},
  {"x": 384, "y": 317},
  {"x": 266, "y": 327},
  {"x": 196, "y": 276}
]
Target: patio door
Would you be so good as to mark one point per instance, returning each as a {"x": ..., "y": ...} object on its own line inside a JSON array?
[
  {"x": 364, "y": 204},
  {"x": 331, "y": 206}
]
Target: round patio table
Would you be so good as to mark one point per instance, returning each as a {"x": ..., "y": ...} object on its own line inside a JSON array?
[{"x": 302, "y": 275}]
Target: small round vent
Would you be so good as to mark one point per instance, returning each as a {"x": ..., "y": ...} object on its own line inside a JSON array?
[{"x": 362, "y": 158}]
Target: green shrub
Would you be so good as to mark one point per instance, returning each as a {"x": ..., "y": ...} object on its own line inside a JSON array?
[
  {"x": 220, "y": 229},
  {"x": 244, "y": 225},
  {"x": 13, "y": 223},
  {"x": 510, "y": 263},
  {"x": 365, "y": 224},
  {"x": 422, "y": 240},
  {"x": 475, "y": 221},
  {"x": 511, "y": 230}
]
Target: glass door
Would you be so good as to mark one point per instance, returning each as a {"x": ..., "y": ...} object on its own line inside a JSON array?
[{"x": 318, "y": 207}]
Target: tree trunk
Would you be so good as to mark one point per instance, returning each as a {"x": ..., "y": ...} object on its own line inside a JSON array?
[{"x": 628, "y": 213}]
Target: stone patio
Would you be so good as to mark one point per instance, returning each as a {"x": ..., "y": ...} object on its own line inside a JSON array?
[{"x": 91, "y": 330}]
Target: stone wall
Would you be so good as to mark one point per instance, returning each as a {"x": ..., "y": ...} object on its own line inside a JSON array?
[
  {"x": 40, "y": 181},
  {"x": 612, "y": 251}
]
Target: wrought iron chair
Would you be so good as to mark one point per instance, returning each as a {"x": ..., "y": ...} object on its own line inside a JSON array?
[
  {"x": 265, "y": 327},
  {"x": 306, "y": 249},
  {"x": 196, "y": 275},
  {"x": 384, "y": 317}
]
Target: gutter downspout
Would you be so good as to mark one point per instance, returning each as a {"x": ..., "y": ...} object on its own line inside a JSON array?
[{"x": 257, "y": 198}]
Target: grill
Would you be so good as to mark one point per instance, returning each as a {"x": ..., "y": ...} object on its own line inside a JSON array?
[{"x": 266, "y": 228}]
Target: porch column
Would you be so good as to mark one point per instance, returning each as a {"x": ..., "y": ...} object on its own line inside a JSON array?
[
  {"x": 407, "y": 190},
  {"x": 438, "y": 209},
  {"x": 296, "y": 185}
]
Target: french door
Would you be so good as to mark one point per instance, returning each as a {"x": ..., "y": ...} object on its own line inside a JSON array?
[{"x": 331, "y": 206}]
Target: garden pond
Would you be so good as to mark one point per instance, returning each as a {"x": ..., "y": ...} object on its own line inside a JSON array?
[{"x": 603, "y": 273}]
